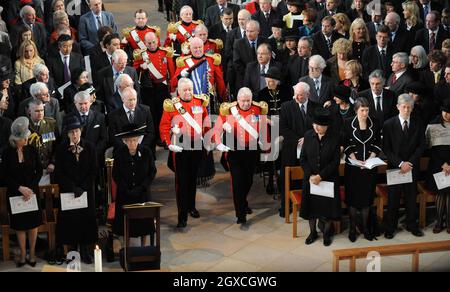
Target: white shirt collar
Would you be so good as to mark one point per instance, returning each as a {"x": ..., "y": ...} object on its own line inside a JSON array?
[
  {"x": 225, "y": 27},
  {"x": 63, "y": 56},
  {"x": 81, "y": 114},
  {"x": 319, "y": 78},
  {"x": 399, "y": 74},
  {"x": 127, "y": 109},
  {"x": 305, "y": 104},
  {"x": 380, "y": 48},
  {"x": 375, "y": 96},
  {"x": 403, "y": 120},
  {"x": 435, "y": 32}
]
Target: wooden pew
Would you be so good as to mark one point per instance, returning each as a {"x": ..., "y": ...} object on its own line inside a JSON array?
[
  {"x": 4, "y": 222},
  {"x": 414, "y": 249}
]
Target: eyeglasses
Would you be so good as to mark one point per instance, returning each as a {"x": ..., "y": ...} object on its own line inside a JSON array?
[{"x": 314, "y": 68}]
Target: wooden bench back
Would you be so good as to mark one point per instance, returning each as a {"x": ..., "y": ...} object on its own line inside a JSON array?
[
  {"x": 4, "y": 216},
  {"x": 48, "y": 194}
]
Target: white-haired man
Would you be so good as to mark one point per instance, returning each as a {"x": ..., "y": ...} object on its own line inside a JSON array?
[{"x": 321, "y": 85}]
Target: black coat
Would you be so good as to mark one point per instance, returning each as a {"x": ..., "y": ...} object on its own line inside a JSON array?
[
  {"x": 297, "y": 68},
  {"x": 399, "y": 148},
  {"x": 439, "y": 155},
  {"x": 133, "y": 176},
  {"x": 399, "y": 86},
  {"x": 371, "y": 60},
  {"x": 27, "y": 84},
  {"x": 212, "y": 15},
  {"x": 25, "y": 174},
  {"x": 320, "y": 46},
  {"x": 292, "y": 128},
  {"x": 243, "y": 55},
  {"x": 113, "y": 102},
  {"x": 53, "y": 50},
  {"x": 266, "y": 25},
  {"x": 98, "y": 62},
  {"x": 320, "y": 157},
  {"x": 326, "y": 89},
  {"x": 388, "y": 106},
  {"x": 142, "y": 116},
  {"x": 77, "y": 226},
  {"x": 5, "y": 131},
  {"x": 284, "y": 94},
  {"x": 441, "y": 93},
  {"x": 403, "y": 41},
  {"x": 56, "y": 67},
  {"x": 426, "y": 77},
  {"x": 422, "y": 38}
]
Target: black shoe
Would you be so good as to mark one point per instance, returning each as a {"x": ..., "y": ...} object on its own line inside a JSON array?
[
  {"x": 327, "y": 240},
  {"x": 241, "y": 220},
  {"x": 20, "y": 264},
  {"x": 416, "y": 232},
  {"x": 30, "y": 263},
  {"x": 194, "y": 213},
  {"x": 182, "y": 224},
  {"x": 388, "y": 235},
  {"x": 352, "y": 236},
  {"x": 311, "y": 238},
  {"x": 248, "y": 211},
  {"x": 321, "y": 225},
  {"x": 85, "y": 255},
  {"x": 368, "y": 236}
]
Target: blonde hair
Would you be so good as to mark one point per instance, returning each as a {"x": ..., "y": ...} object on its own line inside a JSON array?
[
  {"x": 343, "y": 18},
  {"x": 342, "y": 46},
  {"x": 22, "y": 48},
  {"x": 359, "y": 22},
  {"x": 413, "y": 8},
  {"x": 354, "y": 66}
]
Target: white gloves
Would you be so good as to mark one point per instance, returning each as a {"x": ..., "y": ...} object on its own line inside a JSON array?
[
  {"x": 184, "y": 73},
  {"x": 227, "y": 127},
  {"x": 173, "y": 36},
  {"x": 175, "y": 148},
  {"x": 222, "y": 148},
  {"x": 144, "y": 66},
  {"x": 176, "y": 130}
]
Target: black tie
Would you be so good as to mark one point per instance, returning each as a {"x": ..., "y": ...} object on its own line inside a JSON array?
[
  {"x": 254, "y": 50},
  {"x": 383, "y": 59},
  {"x": 379, "y": 110},
  {"x": 267, "y": 16},
  {"x": 83, "y": 119},
  {"x": 405, "y": 128}
]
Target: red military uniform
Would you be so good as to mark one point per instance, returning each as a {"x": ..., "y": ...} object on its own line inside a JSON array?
[
  {"x": 179, "y": 33},
  {"x": 135, "y": 36},
  {"x": 215, "y": 74},
  {"x": 188, "y": 117},
  {"x": 244, "y": 128},
  {"x": 212, "y": 46},
  {"x": 162, "y": 61}
]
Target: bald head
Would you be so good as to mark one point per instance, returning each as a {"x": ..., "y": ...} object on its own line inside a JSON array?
[{"x": 196, "y": 45}]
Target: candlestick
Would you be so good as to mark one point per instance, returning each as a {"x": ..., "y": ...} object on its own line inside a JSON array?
[{"x": 98, "y": 259}]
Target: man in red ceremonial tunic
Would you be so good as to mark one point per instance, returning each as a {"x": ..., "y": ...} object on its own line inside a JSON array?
[
  {"x": 155, "y": 67},
  {"x": 183, "y": 124},
  {"x": 242, "y": 122},
  {"x": 205, "y": 71},
  {"x": 134, "y": 36}
]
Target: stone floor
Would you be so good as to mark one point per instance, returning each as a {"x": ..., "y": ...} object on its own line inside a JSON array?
[{"x": 215, "y": 242}]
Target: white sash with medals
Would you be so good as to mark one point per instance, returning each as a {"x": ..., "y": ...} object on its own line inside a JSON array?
[
  {"x": 138, "y": 40},
  {"x": 152, "y": 67},
  {"x": 184, "y": 32},
  {"x": 188, "y": 118},
  {"x": 243, "y": 123}
]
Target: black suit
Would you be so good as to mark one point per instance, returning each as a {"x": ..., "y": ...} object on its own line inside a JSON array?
[
  {"x": 434, "y": 6},
  {"x": 423, "y": 38},
  {"x": 5, "y": 131},
  {"x": 218, "y": 32},
  {"x": 243, "y": 55},
  {"x": 253, "y": 74},
  {"x": 53, "y": 49},
  {"x": 105, "y": 82},
  {"x": 293, "y": 126},
  {"x": 403, "y": 41},
  {"x": 213, "y": 14},
  {"x": 113, "y": 102},
  {"x": 265, "y": 24},
  {"x": 326, "y": 89},
  {"x": 99, "y": 62},
  {"x": 441, "y": 92},
  {"x": 94, "y": 131},
  {"x": 297, "y": 68},
  {"x": 399, "y": 86},
  {"x": 320, "y": 46},
  {"x": 427, "y": 78},
  {"x": 142, "y": 116},
  {"x": 372, "y": 32},
  {"x": 56, "y": 66},
  {"x": 371, "y": 60},
  {"x": 399, "y": 147},
  {"x": 389, "y": 102},
  {"x": 232, "y": 36},
  {"x": 27, "y": 84}
]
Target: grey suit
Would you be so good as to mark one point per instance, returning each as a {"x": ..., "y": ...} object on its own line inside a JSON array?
[
  {"x": 326, "y": 89},
  {"x": 87, "y": 29}
]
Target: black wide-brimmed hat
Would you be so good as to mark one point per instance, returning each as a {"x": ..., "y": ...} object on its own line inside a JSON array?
[
  {"x": 278, "y": 23},
  {"x": 88, "y": 87},
  {"x": 290, "y": 34},
  {"x": 416, "y": 88},
  {"x": 131, "y": 130},
  {"x": 446, "y": 105},
  {"x": 343, "y": 93},
  {"x": 322, "y": 116},
  {"x": 273, "y": 73},
  {"x": 297, "y": 3},
  {"x": 71, "y": 122}
]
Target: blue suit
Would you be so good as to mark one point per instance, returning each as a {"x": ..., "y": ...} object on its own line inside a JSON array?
[{"x": 87, "y": 29}]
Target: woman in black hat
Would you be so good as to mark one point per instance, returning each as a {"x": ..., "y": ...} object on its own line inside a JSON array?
[
  {"x": 290, "y": 40},
  {"x": 133, "y": 172},
  {"x": 343, "y": 107},
  {"x": 75, "y": 172},
  {"x": 361, "y": 142},
  {"x": 274, "y": 94},
  {"x": 320, "y": 158},
  {"x": 22, "y": 171},
  {"x": 96, "y": 104},
  {"x": 440, "y": 162}
]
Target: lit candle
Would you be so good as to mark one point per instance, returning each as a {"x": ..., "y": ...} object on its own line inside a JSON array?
[{"x": 98, "y": 259}]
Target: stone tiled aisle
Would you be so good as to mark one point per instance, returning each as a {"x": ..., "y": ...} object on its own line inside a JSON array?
[{"x": 215, "y": 242}]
